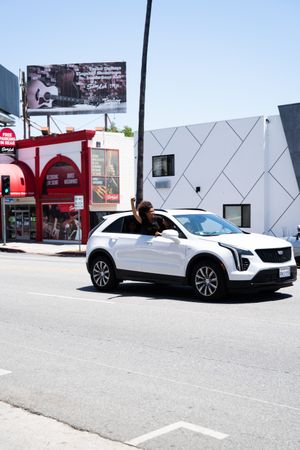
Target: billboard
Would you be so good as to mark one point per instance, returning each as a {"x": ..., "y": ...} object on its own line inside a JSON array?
[
  {"x": 9, "y": 92},
  {"x": 90, "y": 88}
]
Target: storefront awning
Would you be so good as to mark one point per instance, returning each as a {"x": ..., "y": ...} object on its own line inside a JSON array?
[{"x": 21, "y": 179}]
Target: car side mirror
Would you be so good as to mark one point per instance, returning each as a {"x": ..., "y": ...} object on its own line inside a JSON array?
[{"x": 171, "y": 234}]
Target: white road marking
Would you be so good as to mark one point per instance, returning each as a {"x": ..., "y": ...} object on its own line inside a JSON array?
[
  {"x": 176, "y": 426},
  {"x": 65, "y": 297},
  {"x": 4, "y": 372},
  {"x": 156, "y": 377}
]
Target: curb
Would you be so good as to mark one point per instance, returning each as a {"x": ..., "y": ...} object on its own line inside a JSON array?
[{"x": 11, "y": 250}]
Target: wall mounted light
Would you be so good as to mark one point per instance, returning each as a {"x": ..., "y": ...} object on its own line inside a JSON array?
[
  {"x": 45, "y": 131},
  {"x": 197, "y": 189}
]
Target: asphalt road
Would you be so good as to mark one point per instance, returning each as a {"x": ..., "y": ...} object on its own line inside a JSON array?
[{"x": 149, "y": 365}]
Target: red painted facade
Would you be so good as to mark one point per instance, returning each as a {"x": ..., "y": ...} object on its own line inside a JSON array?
[{"x": 52, "y": 182}]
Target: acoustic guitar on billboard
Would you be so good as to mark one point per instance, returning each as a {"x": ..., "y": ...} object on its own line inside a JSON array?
[
  {"x": 39, "y": 95},
  {"x": 64, "y": 92}
]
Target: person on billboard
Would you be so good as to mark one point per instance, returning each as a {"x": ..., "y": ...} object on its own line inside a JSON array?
[
  {"x": 68, "y": 91},
  {"x": 144, "y": 215}
]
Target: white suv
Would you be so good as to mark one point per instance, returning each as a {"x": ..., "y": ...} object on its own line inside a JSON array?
[{"x": 196, "y": 248}]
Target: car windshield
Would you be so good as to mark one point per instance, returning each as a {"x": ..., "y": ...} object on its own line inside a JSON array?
[{"x": 206, "y": 224}]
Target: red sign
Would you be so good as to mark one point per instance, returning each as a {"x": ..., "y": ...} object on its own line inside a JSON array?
[
  {"x": 60, "y": 175},
  {"x": 7, "y": 140}
]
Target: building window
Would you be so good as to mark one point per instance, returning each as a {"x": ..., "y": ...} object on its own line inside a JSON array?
[
  {"x": 238, "y": 214},
  {"x": 163, "y": 166}
]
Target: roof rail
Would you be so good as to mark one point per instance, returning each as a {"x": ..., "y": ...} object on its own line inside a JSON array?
[{"x": 192, "y": 209}]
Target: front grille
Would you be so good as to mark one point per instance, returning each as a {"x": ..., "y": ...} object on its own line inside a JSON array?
[{"x": 275, "y": 255}]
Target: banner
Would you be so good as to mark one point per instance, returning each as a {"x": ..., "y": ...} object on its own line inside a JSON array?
[{"x": 105, "y": 176}]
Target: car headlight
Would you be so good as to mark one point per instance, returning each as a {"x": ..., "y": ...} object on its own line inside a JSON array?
[{"x": 238, "y": 256}]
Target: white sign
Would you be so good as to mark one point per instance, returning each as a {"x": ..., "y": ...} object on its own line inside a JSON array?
[{"x": 78, "y": 202}]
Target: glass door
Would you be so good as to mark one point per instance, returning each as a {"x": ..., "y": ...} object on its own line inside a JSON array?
[
  {"x": 21, "y": 222},
  {"x": 22, "y": 225}
]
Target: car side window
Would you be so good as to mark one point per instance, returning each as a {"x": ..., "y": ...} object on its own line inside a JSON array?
[
  {"x": 115, "y": 227},
  {"x": 131, "y": 225},
  {"x": 169, "y": 225}
]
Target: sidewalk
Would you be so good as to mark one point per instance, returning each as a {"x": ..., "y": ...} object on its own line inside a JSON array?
[
  {"x": 20, "y": 429},
  {"x": 41, "y": 248}
]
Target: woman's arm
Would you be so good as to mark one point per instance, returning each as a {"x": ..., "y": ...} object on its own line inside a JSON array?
[{"x": 134, "y": 211}]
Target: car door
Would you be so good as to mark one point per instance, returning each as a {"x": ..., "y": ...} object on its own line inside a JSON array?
[{"x": 149, "y": 254}]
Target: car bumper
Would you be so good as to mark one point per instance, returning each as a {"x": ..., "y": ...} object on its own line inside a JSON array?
[{"x": 264, "y": 280}]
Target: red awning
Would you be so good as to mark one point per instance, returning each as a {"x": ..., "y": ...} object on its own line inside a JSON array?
[{"x": 21, "y": 179}]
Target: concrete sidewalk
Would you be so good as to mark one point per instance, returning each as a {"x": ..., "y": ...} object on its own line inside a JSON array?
[
  {"x": 20, "y": 429},
  {"x": 44, "y": 249}
]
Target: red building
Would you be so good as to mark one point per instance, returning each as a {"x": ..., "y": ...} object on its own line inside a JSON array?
[{"x": 47, "y": 172}]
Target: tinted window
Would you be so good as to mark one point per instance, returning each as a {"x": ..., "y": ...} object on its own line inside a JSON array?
[
  {"x": 163, "y": 166},
  {"x": 115, "y": 227}
]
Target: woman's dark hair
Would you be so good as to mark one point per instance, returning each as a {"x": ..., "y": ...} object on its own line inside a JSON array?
[{"x": 143, "y": 208}]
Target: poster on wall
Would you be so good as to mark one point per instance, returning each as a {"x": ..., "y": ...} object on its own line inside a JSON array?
[
  {"x": 105, "y": 176},
  {"x": 60, "y": 222},
  {"x": 76, "y": 88}
]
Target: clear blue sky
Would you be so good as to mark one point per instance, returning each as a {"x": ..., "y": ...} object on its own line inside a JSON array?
[{"x": 207, "y": 60}]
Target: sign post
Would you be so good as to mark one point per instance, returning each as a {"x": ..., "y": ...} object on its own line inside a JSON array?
[
  {"x": 78, "y": 206},
  {"x": 3, "y": 220}
]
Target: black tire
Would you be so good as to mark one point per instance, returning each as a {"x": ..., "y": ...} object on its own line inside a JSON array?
[
  {"x": 208, "y": 281},
  {"x": 103, "y": 274}
]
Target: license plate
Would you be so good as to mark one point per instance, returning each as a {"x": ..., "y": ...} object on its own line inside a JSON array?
[{"x": 284, "y": 272}]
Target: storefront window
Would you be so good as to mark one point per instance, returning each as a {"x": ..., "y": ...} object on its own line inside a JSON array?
[{"x": 61, "y": 222}]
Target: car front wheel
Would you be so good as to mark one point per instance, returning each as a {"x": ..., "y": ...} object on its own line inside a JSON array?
[
  {"x": 208, "y": 280},
  {"x": 102, "y": 274}
]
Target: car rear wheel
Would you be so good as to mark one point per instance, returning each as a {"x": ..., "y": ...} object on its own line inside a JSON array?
[
  {"x": 208, "y": 280},
  {"x": 103, "y": 274}
]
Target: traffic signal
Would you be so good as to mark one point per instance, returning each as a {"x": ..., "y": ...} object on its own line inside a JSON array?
[{"x": 5, "y": 185}]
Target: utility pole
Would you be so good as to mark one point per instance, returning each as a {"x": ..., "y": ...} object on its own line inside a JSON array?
[{"x": 140, "y": 157}]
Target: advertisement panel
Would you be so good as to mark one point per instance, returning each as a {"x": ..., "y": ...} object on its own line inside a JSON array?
[
  {"x": 105, "y": 176},
  {"x": 9, "y": 92},
  {"x": 7, "y": 141},
  {"x": 89, "y": 88}
]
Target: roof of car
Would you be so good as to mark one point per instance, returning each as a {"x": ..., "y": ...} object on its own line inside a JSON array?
[
  {"x": 176, "y": 211},
  {"x": 173, "y": 212}
]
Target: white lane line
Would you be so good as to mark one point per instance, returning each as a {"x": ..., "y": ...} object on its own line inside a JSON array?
[
  {"x": 65, "y": 297},
  {"x": 154, "y": 377},
  {"x": 176, "y": 426},
  {"x": 4, "y": 372}
]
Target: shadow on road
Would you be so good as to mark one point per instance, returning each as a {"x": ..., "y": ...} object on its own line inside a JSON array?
[{"x": 153, "y": 291}]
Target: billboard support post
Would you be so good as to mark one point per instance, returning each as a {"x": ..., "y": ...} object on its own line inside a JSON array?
[
  {"x": 3, "y": 220},
  {"x": 78, "y": 206}
]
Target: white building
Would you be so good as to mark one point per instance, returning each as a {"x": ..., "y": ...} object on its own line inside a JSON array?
[{"x": 241, "y": 169}]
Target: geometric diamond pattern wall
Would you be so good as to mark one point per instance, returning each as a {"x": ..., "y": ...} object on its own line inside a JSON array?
[{"x": 233, "y": 162}]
